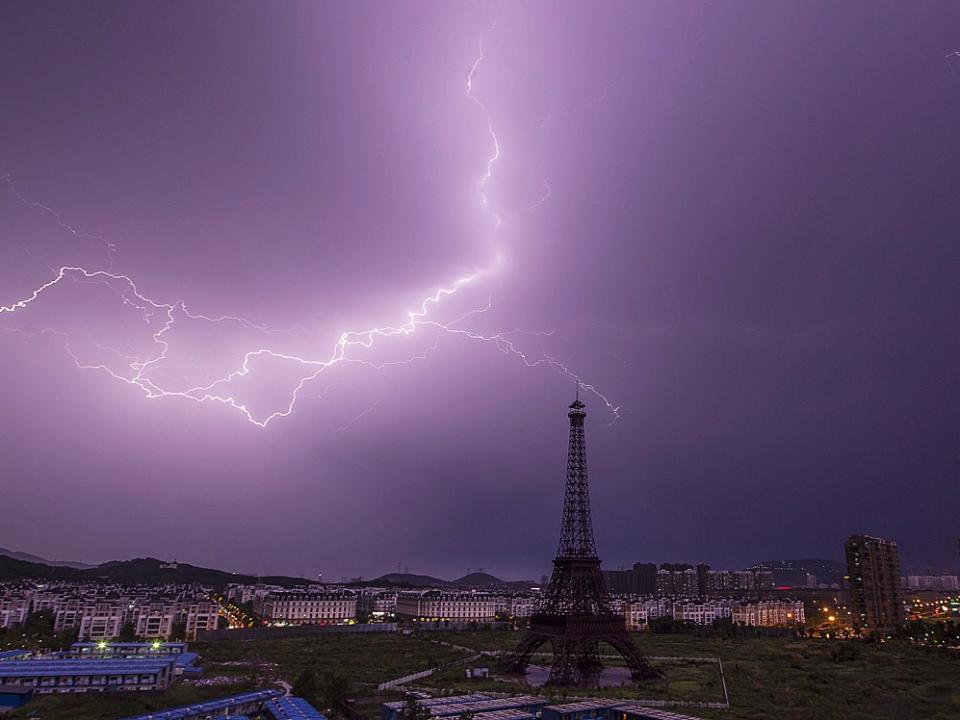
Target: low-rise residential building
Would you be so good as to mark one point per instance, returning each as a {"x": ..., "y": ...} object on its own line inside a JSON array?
[
  {"x": 14, "y": 610},
  {"x": 102, "y": 620},
  {"x": 377, "y": 603},
  {"x": 308, "y": 607},
  {"x": 768, "y": 613},
  {"x": 763, "y": 613},
  {"x": 100, "y": 611},
  {"x": 446, "y": 606},
  {"x": 78, "y": 676},
  {"x": 943, "y": 583}
]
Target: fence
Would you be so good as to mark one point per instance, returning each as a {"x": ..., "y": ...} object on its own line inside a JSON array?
[{"x": 296, "y": 631}]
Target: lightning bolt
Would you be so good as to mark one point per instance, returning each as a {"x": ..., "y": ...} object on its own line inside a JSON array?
[
  {"x": 492, "y": 160},
  {"x": 139, "y": 371},
  {"x": 109, "y": 246},
  {"x": 543, "y": 198}
]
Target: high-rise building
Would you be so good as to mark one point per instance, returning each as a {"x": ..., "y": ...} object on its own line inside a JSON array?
[
  {"x": 640, "y": 580},
  {"x": 703, "y": 579},
  {"x": 677, "y": 580},
  {"x": 873, "y": 566}
]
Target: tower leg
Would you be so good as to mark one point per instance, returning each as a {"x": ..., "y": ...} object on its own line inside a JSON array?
[
  {"x": 519, "y": 659},
  {"x": 640, "y": 667}
]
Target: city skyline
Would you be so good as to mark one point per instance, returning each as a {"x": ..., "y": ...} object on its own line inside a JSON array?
[{"x": 740, "y": 248}]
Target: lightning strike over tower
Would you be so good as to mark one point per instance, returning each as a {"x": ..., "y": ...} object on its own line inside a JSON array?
[{"x": 144, "y": 369}]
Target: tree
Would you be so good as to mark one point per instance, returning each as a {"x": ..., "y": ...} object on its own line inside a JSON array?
[
  {"x": 308, "y": 687},
  {"x": 333, "y": 690},
  {"x": 128, "y": 633},
  {"x": 414, "y": 710}
]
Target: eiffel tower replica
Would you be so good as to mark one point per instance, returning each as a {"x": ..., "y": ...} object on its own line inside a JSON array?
[{"x": 574, "y": 615}]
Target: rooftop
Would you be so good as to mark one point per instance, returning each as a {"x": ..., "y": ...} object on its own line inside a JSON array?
[
  {"x": 450, "y": 700},
  {"x": 211, "y": 707},
  {"x": 10, "y": 654},
  {"x": 649, "y": 713},
  {"x": 585, "y": 705},
  {"x": 292, "y": 708},
  {"x": 44, "y": 667}
]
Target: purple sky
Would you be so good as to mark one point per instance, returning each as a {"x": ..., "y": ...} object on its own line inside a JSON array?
[{"x": 738, "y": 221}]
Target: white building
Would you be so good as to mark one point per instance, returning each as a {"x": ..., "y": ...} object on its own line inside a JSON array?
[
  {"x": 523, "y": 605},
  {"x": 931, "y": 582},
  {"x": 198, "y": 616},
  {"x": 638, "y": 614},
  {"x": 102, "y": 620},
  {"x": 446, "y": 606},
  {"x": 768, "y": 613},
  {"x": 308, "y": 607},
  {"x": 240, "y": 594},
  {"x": 13, "y": 611},
  {"x": 377, "y": 602},
  {"x": 702, "y": 613},
  {"x": 153, "y": 620}
]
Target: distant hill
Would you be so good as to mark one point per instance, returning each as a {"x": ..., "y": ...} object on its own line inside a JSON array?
[
  {"x": 27, "y": 557},
  {"x": 408, "y": 580},
  {"x": 485, "y": 581},
  {"x": 480, "y": 580},
  {"x": 140, "y": 570},
  {"x": 13, "y": 569},
  {"x": 477, "y": 580}
]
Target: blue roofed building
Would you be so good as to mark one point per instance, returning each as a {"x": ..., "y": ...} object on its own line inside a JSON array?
[
  {"x": 594, "y": 709},
  {"x": 608, "y": 709},
  {"x": 126, "y": 649},
  {"x": 69, "y": 675},
  {"x": 528, "y": 706},
  {"x": 392, "y": 710},
  {"x": 635, "y": 711},
  {"x": 15, "y": 655},
  {"x": 13, "y": 696},
  {"x": 233, "y": 705},
  {"x": 186, "y": 664},
  {"x": 291, "y": 708}
]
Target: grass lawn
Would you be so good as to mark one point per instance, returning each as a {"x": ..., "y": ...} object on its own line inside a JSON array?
[
  {"x": 683, "y": 680},
  {"x": 767, "y": 678},
  {"x": 110, "y": 706},
  {"x": 787, "y": 679}
]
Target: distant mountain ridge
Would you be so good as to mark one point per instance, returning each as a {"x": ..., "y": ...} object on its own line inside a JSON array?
[
  {"x": 477, "y": 580},
  {"x": 17, "y": 565},
  {"x": 27, "y": 557},
  {"x": 408, "y": 580},
  {"x": 140, "y": 570}
]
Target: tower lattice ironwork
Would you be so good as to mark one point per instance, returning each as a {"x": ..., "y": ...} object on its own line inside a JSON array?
[{"x": 574, "y": 615}]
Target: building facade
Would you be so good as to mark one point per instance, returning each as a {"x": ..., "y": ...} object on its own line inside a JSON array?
[
  {"x": 768, "y": 613},
  {"x": 446, "y": 606},
  {"x": 308, "y": 607},
  {"x": 876, "y": 599}
]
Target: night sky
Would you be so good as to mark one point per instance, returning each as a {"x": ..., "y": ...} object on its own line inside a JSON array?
[{"x": 737, "y": 222}]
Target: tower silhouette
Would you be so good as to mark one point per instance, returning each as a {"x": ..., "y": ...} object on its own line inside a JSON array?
[{"x": 574, "y": 615}]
